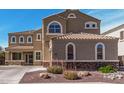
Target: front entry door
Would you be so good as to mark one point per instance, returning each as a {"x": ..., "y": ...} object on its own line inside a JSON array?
[{"x": 29, "y": 59}]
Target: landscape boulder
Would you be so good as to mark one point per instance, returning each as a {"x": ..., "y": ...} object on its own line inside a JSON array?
[
  {"x": 44, "y": 75},
  {"x": 83, "y": 73}
]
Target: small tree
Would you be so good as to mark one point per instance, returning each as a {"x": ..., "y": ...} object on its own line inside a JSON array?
[{"x": 2, "y": 54}]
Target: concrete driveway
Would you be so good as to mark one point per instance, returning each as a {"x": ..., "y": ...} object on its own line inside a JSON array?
[{"x": 13, "y": 74}]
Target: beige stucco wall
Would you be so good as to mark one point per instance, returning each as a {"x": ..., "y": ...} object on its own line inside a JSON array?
[
  {"x": 68, "y": 25},
  {"x": 37, "y": 45},
  {"x": 46, "y": 38},
  {"x": 77, "y": 24},
  {"x": 85, "y": 49},
  {"x": 17, "y": 39}
]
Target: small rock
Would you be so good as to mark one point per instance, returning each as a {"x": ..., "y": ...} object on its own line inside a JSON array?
[
  {"x": 119, "y": 76},
  {"x": 44, "y": 75},
  {"x": 112, "y": 78},
  {"x": 83, "y": 73}
]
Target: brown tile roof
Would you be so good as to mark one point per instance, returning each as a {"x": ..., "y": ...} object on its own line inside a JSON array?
[
  {"x": 20, "y": 48},
  {"x": 25, "y": 32},
  {"x": 83, "y": 36}
]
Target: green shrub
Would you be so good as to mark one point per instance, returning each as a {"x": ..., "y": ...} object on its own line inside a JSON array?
[
  {"x": 55, "y": 70},
  {"x": 70, "y": 75},
  {"x": 107, "y": 69}
]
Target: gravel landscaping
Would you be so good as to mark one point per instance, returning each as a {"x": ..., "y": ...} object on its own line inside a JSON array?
[{"x": 95, "y": 76}]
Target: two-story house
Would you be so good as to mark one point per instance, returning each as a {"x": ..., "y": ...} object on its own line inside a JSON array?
[
  {"x": 70, "y": 39},
  {"x": 119, "y": 33}
]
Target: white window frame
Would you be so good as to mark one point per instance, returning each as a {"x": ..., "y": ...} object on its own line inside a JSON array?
[
  {"x": 40, "y": 55},
  {"x": 90, "y": 25},
  {"x": 12, "y": 39},
  {"x": 54, "y": 33},
  {"x": 20, "y": 39},
  {"x": 69, "y": 15},
  {"x": 74, "y": 50},
  {"x": 37, "y": 37},
  {"x": 28, "y": 38},
  {"x": 102, "y": 50}
]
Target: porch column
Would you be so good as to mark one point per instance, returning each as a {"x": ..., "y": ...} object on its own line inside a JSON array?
[
  {"x": 21, "y": 55},
  {"x": 10, "y": 55},
  {"x": 34, "y": 58}
]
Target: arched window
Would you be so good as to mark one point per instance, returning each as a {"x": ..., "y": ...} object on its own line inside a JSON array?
[
  {"x": 71, "y": 15},
  {"x": 13, "y": 39},
  {"x": 70, "y": 51},
  {"x": 100, "y": 51},
  {"x": 29, "y": 39},
  {"x": 21, "y": 39},
  {"x": 54, "y": 27},
  {"x": 91, "y": 25}
]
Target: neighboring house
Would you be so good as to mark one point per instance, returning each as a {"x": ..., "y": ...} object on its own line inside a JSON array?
[
  {"x": 71, "y": 39},
  {"x": 1, "y": 49},
  {"x": 119, "y": 33}
]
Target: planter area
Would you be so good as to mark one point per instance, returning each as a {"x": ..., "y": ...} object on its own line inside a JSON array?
[{"x": 92, "y": 76}]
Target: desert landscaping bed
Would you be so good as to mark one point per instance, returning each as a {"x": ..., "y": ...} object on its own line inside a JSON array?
[{"x": 34, "y": 77}]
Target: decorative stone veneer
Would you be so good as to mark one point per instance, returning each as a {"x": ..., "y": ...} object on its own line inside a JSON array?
[
  {"x": 14, "y": 63},
  {"x": 46, "y": 64},
  {"x": 83, "y": 65},
  {"x": 72, "y": 65}
]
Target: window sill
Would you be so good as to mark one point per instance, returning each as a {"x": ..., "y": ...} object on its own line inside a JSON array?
[
  {"x": 13, "y": 42},
  {"x": 54, "y": 34},
  {"x": 29, "y": 42},
  {"x": 21, "y": 42},
  {"x": 91, "y": 28},
  {"x": 37, "y": 60},
  {"x": 38, "y": 39}
]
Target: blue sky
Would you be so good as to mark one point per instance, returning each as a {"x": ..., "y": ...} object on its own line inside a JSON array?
[{"x": 22, "y": 20}]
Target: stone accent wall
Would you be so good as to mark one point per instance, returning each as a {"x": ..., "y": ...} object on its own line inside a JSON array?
[
  {"x": 46, "y": 64},
  {"x": 90, "y": 66},
  {"x": 14, "y": 63}
]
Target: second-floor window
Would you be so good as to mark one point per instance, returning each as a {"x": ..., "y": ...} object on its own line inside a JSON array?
[
  {"x": 21, "y": 39},
  {"x": 91, "y": 25},
  {"x": 54, "y": 27},
  {"x": 38, "y": 38},
  {"x": 29, "y": 39},
  {"x": 13, "y": 39}
]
